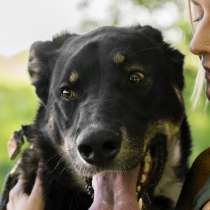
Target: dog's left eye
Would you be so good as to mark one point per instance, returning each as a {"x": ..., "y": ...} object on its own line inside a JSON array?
[
  {"x": 136, "y": 77},
  {"x": 69, "y": 94}
]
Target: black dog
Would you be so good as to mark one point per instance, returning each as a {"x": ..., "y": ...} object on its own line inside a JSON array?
[{"x": 111, "y": 130}]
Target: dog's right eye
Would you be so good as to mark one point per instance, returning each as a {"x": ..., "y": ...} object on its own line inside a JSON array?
[
  {"x": 68, "y": 94},
  {"x": 136, "y": 77}
]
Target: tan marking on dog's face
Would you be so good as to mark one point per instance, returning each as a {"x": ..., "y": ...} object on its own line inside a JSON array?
[
  {"x": 119, "y": 58},
  {"x": 128, "y": 150},
  {"x": 73, "y": 77},
  {"x": 125, "y": 144},
  {"x": 172, "y": 132},
  {"x": 168, "y": 128}
]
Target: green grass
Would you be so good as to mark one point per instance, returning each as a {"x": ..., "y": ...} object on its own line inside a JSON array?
[{"x": 18, "y": 105}]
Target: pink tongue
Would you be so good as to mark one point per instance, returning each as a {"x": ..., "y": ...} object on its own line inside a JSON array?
[{"x": 115, "y": 190}]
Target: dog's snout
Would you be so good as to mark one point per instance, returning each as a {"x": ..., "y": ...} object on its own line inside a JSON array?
[{"x": 99, "y": 147}]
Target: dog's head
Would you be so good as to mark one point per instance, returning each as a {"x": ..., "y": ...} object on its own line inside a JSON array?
[{"x": 105, "y": 93}]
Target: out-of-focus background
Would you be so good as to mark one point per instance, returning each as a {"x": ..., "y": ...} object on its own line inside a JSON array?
[{"x": 25, "y": 21}]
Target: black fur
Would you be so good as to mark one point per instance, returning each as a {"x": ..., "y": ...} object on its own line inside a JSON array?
[{"x": 106, "y": 97}]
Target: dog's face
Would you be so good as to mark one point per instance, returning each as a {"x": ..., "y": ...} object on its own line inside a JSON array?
[{"x": 103, "y": 91}]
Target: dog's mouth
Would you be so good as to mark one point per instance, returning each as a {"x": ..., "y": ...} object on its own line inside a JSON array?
[{"x": 120, "y": 190}]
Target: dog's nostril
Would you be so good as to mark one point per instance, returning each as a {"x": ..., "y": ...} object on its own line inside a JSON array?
[
  {"x": 109, "y": 146},
  {"x": 85, "y": 151}
]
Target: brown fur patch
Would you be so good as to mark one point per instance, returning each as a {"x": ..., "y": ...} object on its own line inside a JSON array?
[
  {"x": 119, "y": 58},
  {"x": 73, "y": 77}
]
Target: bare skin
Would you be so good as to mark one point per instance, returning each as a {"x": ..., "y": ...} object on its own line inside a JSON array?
[
  {"x": 207, "y": 206},
  {"x": 18, "y": 200},
  {"x": 200, "y": 44}
]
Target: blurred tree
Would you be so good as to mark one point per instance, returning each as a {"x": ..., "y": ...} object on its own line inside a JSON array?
[{"x": 162, "y": 14}]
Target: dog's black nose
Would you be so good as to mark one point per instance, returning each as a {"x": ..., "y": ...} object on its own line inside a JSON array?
[{"x": 99, "y": 147}]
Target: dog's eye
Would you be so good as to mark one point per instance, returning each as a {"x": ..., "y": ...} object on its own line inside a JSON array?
[
  {"x": 136, "y": 77},
  {"x": 69, "y": 94}
]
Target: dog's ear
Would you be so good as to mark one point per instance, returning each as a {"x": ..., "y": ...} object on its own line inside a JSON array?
[
  {"x": 42, "y": 58},
  {"x": 150, "y": 33},
  {"x": 174, "y": 58}
]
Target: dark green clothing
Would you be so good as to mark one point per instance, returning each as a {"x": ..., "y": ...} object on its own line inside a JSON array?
[{"x": 202, "y": 197}]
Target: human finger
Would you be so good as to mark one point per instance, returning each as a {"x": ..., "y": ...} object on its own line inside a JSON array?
[
  {"x": 36, "y": 196},
  {"x": 206, "y": 206},
  {"x": 17, "y": 190},
  {"x": 18, "y": 201}
]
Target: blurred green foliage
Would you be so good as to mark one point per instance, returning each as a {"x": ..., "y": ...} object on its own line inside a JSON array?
[
  {"x": 17, "y": 107},
  {"x": 198, "y": 119},
  {"x": 151, "y": 3}
]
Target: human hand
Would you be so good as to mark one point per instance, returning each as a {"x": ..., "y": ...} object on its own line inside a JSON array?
[
  {"x": 206, "y": 206},
  {"x": 18, "y": 200}
]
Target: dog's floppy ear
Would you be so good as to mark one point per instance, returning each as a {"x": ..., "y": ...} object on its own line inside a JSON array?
[
  {"x": 151, "y": 33},
  {"x": 174, "y": 58},
  {"x": 42, "y": 58}
]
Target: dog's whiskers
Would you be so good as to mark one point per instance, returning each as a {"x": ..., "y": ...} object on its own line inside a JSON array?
[
  {"x": 57, "y": 165},
  {"x": 63, "y": 170},
  {"x": 51, "y": 158}
]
